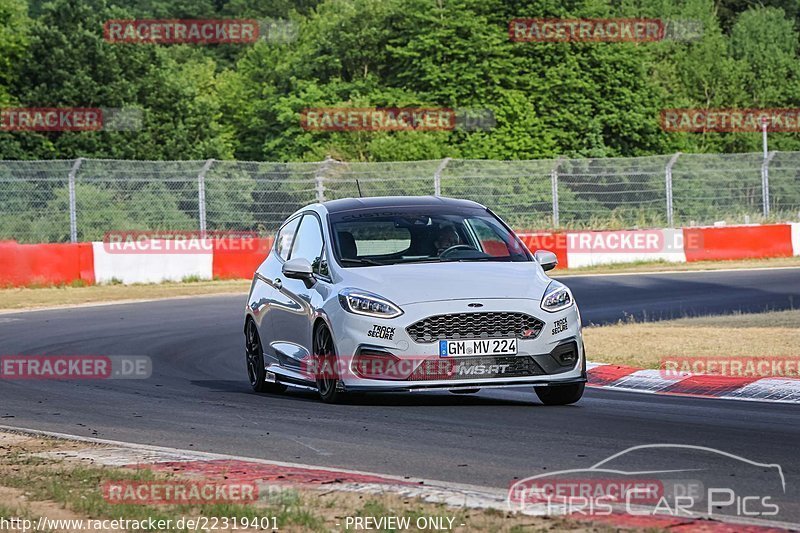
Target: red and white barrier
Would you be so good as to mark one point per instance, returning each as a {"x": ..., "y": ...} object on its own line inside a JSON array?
[
  {"x": 230, "y": 262},
  {"x": 590, "y": 248},
  {"x": 576, "y": 249},
  {"x": 45, "y": 264},
  {"x": 152, "y": 266},
  {"x": 739, "y": 242},
  {"x": 52, "y": 264}
]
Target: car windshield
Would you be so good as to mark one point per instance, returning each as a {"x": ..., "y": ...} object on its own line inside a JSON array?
[{"x": 419, "y": 235}]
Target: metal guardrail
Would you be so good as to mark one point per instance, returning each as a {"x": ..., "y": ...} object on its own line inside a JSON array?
[{"x": 82, "y": 199}]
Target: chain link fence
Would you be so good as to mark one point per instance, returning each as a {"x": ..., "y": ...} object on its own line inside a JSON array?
[{"x": 81, "y": 200}]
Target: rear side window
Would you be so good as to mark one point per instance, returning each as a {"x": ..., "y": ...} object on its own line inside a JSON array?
[{"x": 285, "y": 238}]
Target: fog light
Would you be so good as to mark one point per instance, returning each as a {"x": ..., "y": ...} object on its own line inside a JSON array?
[
  {"x": 376, "y": 364},
  {"x": 566, "y": 354}
]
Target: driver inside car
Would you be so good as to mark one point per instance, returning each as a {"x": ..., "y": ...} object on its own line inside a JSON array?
[{"x": 447, "y": 237}]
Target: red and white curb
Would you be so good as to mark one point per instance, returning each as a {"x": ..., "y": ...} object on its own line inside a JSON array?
[
  {"x": 231, "y": 468},
  {"x": 632, "y": 379}
]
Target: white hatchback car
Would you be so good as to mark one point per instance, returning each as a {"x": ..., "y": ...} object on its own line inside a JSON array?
[{"x": 410, "y": 294}]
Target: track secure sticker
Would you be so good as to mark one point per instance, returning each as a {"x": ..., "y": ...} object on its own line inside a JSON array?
[
  {"x": 559, "y": 326},
  {"x": 381, "y": 332}
]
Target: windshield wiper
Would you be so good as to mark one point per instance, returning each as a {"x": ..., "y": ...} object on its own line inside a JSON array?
[
  {"x": 361, "y": 261},
  {"x": 434, "y": 259},
  {"x": 501, "y": 258},
  {"x": 437, "y": 259}
]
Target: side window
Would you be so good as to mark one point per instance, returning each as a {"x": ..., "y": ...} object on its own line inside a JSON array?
[
  {"x": 490, "y": 241},
  {"x": 286, "y": 238},
  {"x": 308, "y": 244}
]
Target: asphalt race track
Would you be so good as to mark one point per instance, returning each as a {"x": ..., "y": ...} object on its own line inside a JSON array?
[
  {"x": 605, "y": 299},
  {"x": 198, "y": 396}
]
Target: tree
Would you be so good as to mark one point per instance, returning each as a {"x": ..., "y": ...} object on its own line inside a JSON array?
[{"x": 68, "y": 63}]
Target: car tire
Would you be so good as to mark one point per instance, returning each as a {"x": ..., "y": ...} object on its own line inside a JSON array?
[
  {"x": 254, "y": 353},
  {"x": 560, "y": 394},
  {"x": 325, "y": 355},
  {"x": 465, "y": 391}
]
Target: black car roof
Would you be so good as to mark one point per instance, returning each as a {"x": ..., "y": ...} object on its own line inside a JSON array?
[{"x": 351, "y": 204}]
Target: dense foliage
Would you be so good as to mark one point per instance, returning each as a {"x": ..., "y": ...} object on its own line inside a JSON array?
[{"x": 243, "y": 101}]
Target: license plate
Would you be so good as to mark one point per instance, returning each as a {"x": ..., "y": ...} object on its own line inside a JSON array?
[{"x": 478, "y": 347}]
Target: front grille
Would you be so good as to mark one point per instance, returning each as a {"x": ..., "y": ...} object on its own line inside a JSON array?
[
  {"x": 493, "y": 325},
  {"x": 477, "y": 368}
]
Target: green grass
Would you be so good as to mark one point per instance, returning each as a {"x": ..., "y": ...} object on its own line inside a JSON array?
[
  {"x": 78, "y": 489},
  {"x": 28, "y": 298}
]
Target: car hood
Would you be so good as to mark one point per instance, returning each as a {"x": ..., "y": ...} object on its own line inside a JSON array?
[{"x": 427, "y": 282}]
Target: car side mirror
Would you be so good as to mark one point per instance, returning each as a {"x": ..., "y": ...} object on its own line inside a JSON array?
[
  {"x": 546, "y": 259},
  {"x": 298, "y": 268}
]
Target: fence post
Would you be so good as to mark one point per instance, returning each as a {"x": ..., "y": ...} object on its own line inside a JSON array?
[
  {"x": 437, "y": 176},
  {"x": 201, "y": 195},
  {"x": 73, "y": 209},
  {"x": 765, "y": 182},
  {"x": 668, "y": 188},
  {"x": 319, "y": 178},
  {"x": 554, "y": 191}
]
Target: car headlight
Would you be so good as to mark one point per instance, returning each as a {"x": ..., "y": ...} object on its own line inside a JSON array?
[
  {"x": 557, "y": 297},
  {"x": 368, "y": 304}
]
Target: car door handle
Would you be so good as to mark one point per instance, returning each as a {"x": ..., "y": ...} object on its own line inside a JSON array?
[{"x": 278, "y": 283}]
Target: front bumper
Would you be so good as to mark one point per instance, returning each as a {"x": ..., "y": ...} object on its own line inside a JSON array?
[
  {"x": 456, "y": 386},
  {"x": 534, "y": 364}
]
